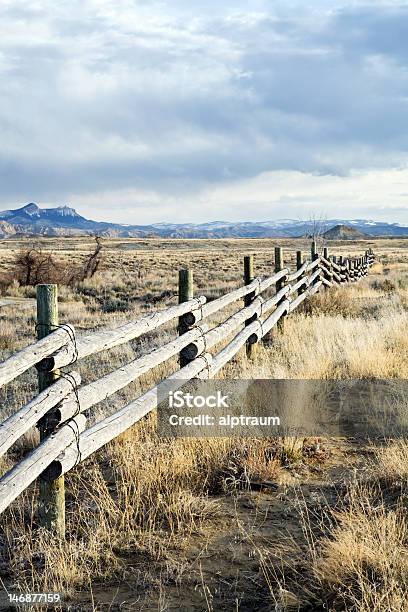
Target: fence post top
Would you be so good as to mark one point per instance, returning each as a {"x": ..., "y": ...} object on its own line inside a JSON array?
[{"x": 41, "y": 285}]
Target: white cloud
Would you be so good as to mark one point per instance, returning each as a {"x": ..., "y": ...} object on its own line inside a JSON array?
[
  {"x": 171, "y": 109},
  {"x": 377, "y": 194}
]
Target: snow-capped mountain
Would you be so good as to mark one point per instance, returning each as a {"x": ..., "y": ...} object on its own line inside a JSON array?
[{"x": 64, "y": 220}]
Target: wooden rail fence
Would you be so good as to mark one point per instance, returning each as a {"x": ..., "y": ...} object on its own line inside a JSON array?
[{"x": 59, "y": 408}]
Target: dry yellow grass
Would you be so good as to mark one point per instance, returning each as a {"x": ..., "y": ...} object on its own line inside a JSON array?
[
  {"x": 144, "y": 509},
  {"x": 364, "y": 564}
]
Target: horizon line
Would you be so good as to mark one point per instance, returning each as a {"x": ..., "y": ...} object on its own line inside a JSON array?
[{"x": 319, "y": 219}]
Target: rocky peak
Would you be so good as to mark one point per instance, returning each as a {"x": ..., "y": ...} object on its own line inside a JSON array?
[
  {"x": 66, "y": 211},
  {"x": 31, "y": 209}
]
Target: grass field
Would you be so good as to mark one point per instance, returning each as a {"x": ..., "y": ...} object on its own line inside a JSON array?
[{"x": 157, "y": 524}]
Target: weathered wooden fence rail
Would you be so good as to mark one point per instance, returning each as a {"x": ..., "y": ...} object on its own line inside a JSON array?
[{"x": 59, "y": 408}]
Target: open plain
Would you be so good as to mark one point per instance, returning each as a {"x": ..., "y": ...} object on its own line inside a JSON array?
[{"x": 217, "y": 524}]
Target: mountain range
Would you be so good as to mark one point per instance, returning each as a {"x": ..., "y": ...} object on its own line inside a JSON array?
[{"x": 31, "y": 220}]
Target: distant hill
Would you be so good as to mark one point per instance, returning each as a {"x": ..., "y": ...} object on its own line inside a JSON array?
[
  {"x": 60, "y": 221},
  {"x": 31, "y": 220},
  {"x": 344, "y": 232}
]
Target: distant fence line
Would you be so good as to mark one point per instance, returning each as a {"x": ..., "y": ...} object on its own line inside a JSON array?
[{"x": 58, "y": 409}]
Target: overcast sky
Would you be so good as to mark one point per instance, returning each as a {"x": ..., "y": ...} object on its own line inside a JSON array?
[{"x": 189, "y": 110}]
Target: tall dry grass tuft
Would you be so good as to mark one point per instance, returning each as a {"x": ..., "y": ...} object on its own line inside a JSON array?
[
  {"x": 392, "y": 463},
  {"x": 364, "y": 564},
  {"x": 6, "y": 335},
  {"x": 337, "y": 301}
]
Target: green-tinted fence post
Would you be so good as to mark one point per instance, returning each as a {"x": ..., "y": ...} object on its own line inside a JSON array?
[
  {"x": 327, "y": 275},
  {"x": 299, "y": 264},
  {"x": 52, "y": 494}
]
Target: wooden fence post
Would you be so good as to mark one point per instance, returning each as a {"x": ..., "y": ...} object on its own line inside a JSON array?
[
  {"x": 339, "y": 261},
  {"x": 52, "y": 494},
  {"x": 280, "y": 283},
  {"x": 185, "y": 292},
  {"x": 47, "y": 320},
  {"x": 327, "y": 275},
  {"x": 314, "y": 256},
  {"x": 251, "y": 349},
  {"x": 347, "y": 269},
  {"x": 299, "y": 264}
]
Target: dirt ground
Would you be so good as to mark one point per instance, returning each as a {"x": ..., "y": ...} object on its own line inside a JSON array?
[{"x": 259, "y": 537}]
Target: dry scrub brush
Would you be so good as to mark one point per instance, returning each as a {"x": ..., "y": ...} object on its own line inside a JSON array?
[
  {"x": 34, "y": 265},
  {"x": 363, "y": 563},
  {"x": 147, "y": 497}
]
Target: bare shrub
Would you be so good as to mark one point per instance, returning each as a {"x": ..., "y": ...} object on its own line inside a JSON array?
[
  {"x": 33, "y": 266},
  {"x": 90, "y": 266}
]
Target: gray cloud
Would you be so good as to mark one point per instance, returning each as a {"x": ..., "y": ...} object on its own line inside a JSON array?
[{"x": 176, "y": 97}]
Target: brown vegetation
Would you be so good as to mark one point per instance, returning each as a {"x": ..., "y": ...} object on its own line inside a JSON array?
[
  {"x": 174, "y": 524},
  {"x": 34, "y": 265}
]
